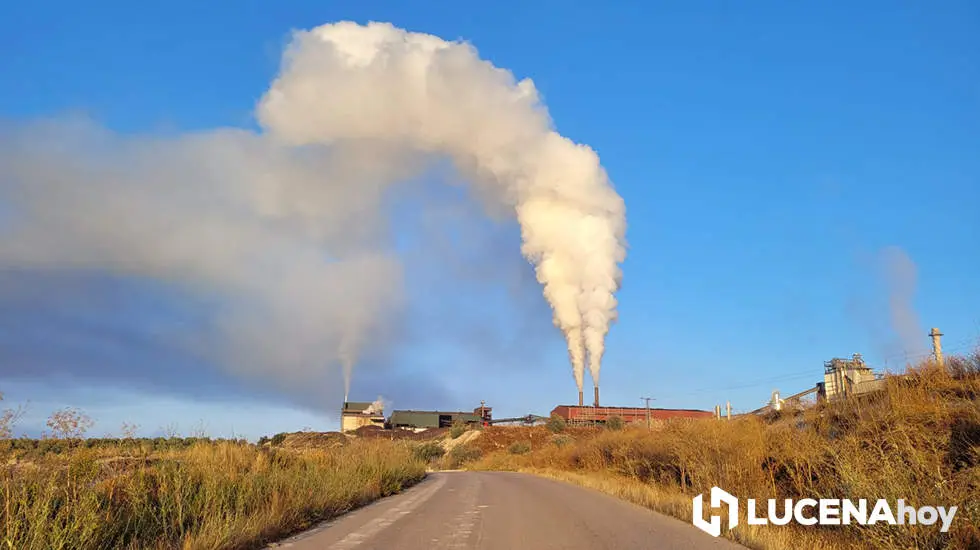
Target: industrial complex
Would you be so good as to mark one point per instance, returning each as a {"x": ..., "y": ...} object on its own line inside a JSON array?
[
  {"x": 842, "y": 379},
  {"x": 355, "y": 415}
]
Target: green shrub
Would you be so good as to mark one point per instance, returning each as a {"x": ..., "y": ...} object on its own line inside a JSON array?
[
  {"x": 461, "y": 454},
  {"x": 556, "y": 424},
  {"x": 560, "y": 440},
  {"x": 615, "y": 423},
  {"x": 519, "y": 448},
  {"x": 428, "y": 451},
  {"x": 458, "y": 429}
]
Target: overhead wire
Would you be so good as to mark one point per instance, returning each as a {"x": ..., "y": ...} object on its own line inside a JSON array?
[{"x": 966, "y": 344}]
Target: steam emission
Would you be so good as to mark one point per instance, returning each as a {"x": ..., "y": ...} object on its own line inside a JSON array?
[{"x": 283, "y": 225}]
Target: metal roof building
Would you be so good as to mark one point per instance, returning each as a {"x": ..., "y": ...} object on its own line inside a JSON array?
[{"x": 431, "y": 419}]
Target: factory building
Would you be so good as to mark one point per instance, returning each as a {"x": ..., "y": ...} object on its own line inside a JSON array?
[
  {"x": 354, "y": 415},
  {"x": 846, "y": 377},
  {"x": 590, "y": 415},
  {"x": 421, "y": 420}
]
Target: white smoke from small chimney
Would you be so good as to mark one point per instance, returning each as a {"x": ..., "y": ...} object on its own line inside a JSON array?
[{"x": 376, "y": 407}]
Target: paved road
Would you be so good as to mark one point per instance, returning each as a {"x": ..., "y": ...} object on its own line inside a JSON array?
[{"x": 502, "y": 511}]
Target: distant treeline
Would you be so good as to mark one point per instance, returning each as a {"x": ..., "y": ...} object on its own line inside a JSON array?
[{"x": 58, "y": 445}]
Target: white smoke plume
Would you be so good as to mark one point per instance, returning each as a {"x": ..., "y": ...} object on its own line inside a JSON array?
[
  {"x": 450, "y": 102},
  {"x": 286, "y": 226},
  {"x": 376, "y": 407}
]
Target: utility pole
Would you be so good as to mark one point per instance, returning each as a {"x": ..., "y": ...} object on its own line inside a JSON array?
[
  {"x": 937, "y": 345},
  {"x": 728, "y": 408},
  {"x": 647, "y": 399}
]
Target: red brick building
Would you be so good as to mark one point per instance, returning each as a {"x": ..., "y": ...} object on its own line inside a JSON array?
[{"x": 587, "y": 415}]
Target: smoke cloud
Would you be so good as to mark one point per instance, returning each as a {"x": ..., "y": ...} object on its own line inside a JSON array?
[
  {"x": 376, "y": 407},
  {"x": 901, "y": 277},
  {"x": 286, "y": 231}
]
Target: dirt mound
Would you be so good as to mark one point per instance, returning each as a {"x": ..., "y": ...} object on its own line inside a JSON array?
[
  {"x": 367, "y": 431},
  {"x": 496, "y": 438},
  {"x": 468, "y": 436},
  {"x": 307, "y": 440},
  {"x": 378, "y": 432}
]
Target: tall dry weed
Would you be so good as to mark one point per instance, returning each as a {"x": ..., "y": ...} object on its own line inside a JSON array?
[{"x": 224, "y": 495}]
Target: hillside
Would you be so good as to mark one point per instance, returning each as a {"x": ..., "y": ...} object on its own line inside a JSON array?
[{"x": 917, "y": 440}]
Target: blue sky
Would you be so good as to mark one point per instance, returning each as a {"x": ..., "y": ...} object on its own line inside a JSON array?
[{"x": 767, "y": 155}]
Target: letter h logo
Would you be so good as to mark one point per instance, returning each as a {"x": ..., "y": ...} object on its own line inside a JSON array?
[{"x": 713, "y": 527}]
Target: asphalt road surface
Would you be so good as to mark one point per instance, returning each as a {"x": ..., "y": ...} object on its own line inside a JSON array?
[{"x": 501, "y": 511}]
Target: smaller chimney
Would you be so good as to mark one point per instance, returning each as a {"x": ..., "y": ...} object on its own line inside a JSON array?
[
  {"x": 937, "y": 345},
  {"x": 597, "y": 396},
  {"x": 581, "y": 399}
]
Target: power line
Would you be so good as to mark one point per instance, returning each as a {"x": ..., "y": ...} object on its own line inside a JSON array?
[
  {"x": 785, "y": 378},
  {"x": 966, "y": 344}
]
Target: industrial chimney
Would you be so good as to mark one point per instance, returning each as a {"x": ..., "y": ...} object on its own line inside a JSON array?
[
  {"x": 597, "y": 396},
  {"x": 581, "y": 398},
  {"x": 937, "y": 346}
]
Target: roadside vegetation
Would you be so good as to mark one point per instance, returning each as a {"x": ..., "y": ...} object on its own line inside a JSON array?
[
  {"x": 66, "y": 492},
  {"x": 918, "y": 440}
]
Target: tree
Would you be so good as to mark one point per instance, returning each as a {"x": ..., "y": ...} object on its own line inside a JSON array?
[
  {"x": 129, "y": 430},
  {"x": 69, "y": 423},
  {"x": 8, "y": 419}
]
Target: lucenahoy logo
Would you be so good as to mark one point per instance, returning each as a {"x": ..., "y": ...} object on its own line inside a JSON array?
[{"x": 824, "y": 511}]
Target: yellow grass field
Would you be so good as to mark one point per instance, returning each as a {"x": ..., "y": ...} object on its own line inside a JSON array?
[{"x": 227, "y": 495}]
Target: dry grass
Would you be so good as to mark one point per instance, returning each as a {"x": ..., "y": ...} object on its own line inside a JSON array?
[
  {"x": 919, "y": 440},
  {"x": 210, "y": 495}
]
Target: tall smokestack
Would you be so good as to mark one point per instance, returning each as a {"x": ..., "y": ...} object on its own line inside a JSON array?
[
  {"x": 581, "y": 398},
  {"x": 597, "y": 396}
]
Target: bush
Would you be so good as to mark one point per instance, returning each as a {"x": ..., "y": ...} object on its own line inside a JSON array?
[
  {"x": 428, "y": 451},
  {"x": 458, "y": 429},
  {"x": 615, "y": 423},
  {"x": 560, "y": 440},
  {"x": 461, "y": 454},
  {"x": 519, "y": 448},
  {"x": 556, "y": 424},
  {"x": 278, "y": 438}
]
